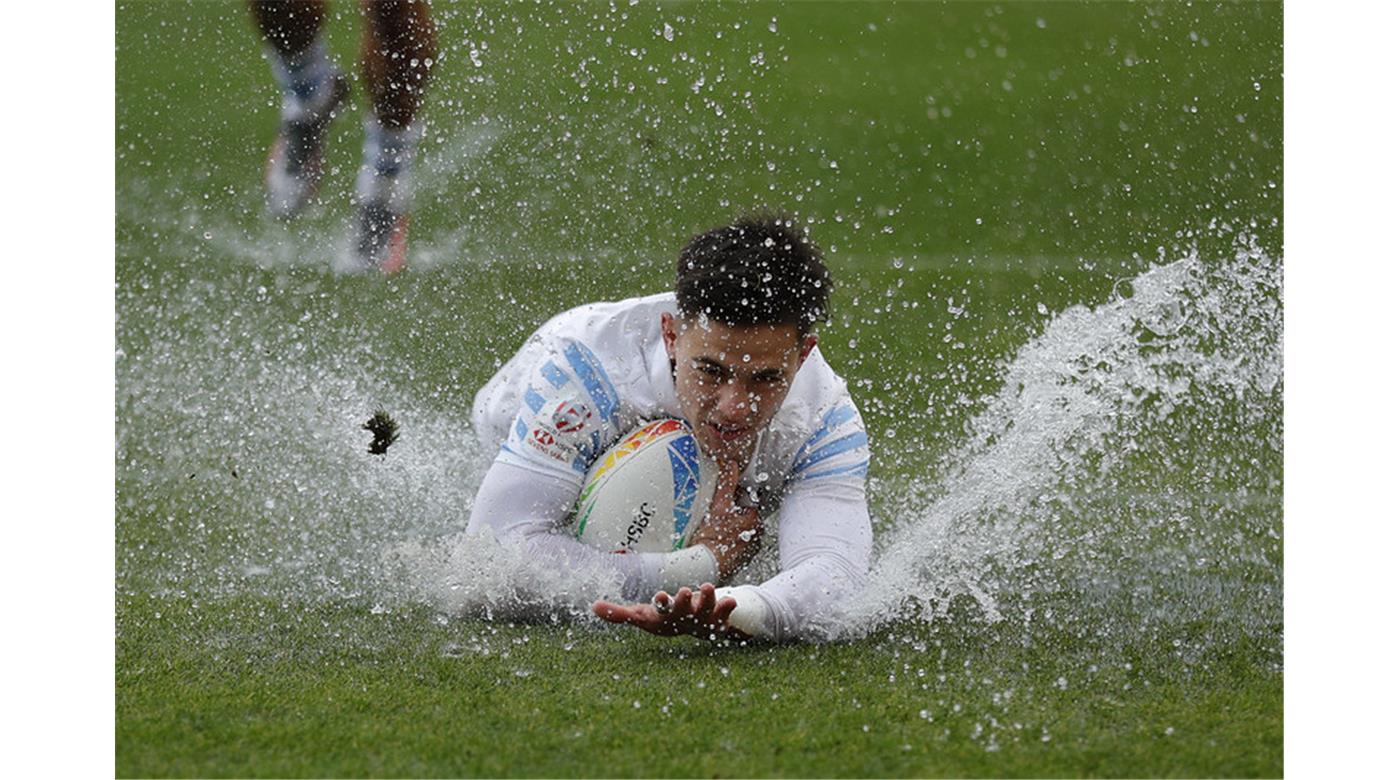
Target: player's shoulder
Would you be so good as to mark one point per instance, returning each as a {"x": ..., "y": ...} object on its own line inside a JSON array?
[
  {"x": 820, "y": 426},
  {"x": 615, "y": 338},
  {"x": 816, "y": 390},
  {"x": 608, "y": 325},
  {"x": 595, "y": 356}
]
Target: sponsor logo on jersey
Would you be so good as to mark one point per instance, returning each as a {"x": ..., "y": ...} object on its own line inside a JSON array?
[
  {"x": 570, "y": 417},
  {"x": 542, "y": 440}
]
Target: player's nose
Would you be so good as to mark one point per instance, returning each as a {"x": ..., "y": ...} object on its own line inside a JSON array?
[{"x": 734, "y": 404}]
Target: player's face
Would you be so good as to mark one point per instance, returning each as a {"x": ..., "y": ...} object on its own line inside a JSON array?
[{"x": 731, "y": 379}]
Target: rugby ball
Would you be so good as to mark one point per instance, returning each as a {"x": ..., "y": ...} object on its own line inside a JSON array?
[{"x": 648, "y": 493}]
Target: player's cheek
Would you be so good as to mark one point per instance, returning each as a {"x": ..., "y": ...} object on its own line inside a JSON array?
[
  {"x": 697, "y": 403},
  {"x": 761, "y": 400}
]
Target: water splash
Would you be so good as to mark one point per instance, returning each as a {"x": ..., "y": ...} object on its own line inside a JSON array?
[
  {"x": 1128, "y": 465},
  {"x": 243, "y": 465},
  {"x": 1119, "y": 450}
]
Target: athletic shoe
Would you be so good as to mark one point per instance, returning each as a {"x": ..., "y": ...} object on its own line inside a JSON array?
[
  {"x": 382, "y": 240},
  {"x": 296, "y": 160}
]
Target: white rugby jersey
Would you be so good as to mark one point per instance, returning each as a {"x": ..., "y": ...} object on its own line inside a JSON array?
[{"x": 591, "y": 374}]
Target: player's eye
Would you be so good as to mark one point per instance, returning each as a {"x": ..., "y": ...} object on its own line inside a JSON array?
[{"x": 710, "y": 371}]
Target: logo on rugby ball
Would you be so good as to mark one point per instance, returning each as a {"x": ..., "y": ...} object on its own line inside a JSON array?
[
  {"x": 641, "y": 518},
  {"x": 640, "y": 498}
]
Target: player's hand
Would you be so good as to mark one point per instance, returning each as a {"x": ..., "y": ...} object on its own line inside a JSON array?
[
  {"x": 697, "y": 613},
  {"x": 731, "y": 532}
]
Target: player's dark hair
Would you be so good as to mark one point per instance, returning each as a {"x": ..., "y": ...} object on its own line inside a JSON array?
[{"x": 760, "y": 270}]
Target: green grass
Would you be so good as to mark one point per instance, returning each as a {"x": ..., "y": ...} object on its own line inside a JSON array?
[
  {"x": 403, "y": 695},
  {"x": 994, "y": 164}
]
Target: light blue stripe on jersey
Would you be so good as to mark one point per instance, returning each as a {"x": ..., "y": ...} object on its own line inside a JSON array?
[
  {"x": 533, "y": 399},
  {"x": 554, "y": 374},
  {"x": 587, "y": 451},
  {"x": 857, "y": 470},
  {"x": 844, "y": 444},
  {"x": 830, "y": 422},
  {"x": 590, "y": 449},
  {"x": 521, "y": 430},
  {"x": 585, "y": 364}
]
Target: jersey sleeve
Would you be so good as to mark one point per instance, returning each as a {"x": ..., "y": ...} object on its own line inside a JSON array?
[
  {"x": 824, "y": 544},
  {"x": 569, "y": 413},
  {"x": 824, "y": 537},
  {"x": 525, "y": 507},
  {"x": 837, "y": 451}
]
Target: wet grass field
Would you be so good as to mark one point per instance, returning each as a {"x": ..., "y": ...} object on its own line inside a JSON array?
[{"x": 980, "y": 175}]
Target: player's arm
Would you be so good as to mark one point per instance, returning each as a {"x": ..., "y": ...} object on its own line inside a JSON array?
[
  {"x": 567, "y": 416},
  {"x": 825, "y": 551},
  {"x": 824, "y": 543},
  {"x": 529, "y": 507},
  {"x": 824, "y": 537},
  {"x": 732, "y": 533}
]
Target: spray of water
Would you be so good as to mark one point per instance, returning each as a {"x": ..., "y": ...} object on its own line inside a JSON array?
[
  {"x": 1135, "y": 443},
  {"x": 1128, "y": 465}
]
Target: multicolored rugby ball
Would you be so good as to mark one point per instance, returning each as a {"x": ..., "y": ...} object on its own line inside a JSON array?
[{"x": 648, "y": 493}]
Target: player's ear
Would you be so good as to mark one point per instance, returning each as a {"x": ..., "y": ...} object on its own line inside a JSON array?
[
  {"x": 809, "y": 343},
  {"x": 668, "y": 334}
]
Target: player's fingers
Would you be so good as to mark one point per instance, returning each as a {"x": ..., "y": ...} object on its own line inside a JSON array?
[
  {"x": 613, "y": 613},
  {"x": 683, "y": 605},
  {"x": 706, "y": 602},
  {"x": 697, "y": 600},
  {"x": 662, "y": 603},
  {"x": 726, "y": 487},
  {"x": 723, "y": 609},
  {"x": 729, "y": 472}
]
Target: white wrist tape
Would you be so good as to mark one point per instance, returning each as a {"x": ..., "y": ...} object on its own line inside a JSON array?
[{"x": 750, "y": 615}]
